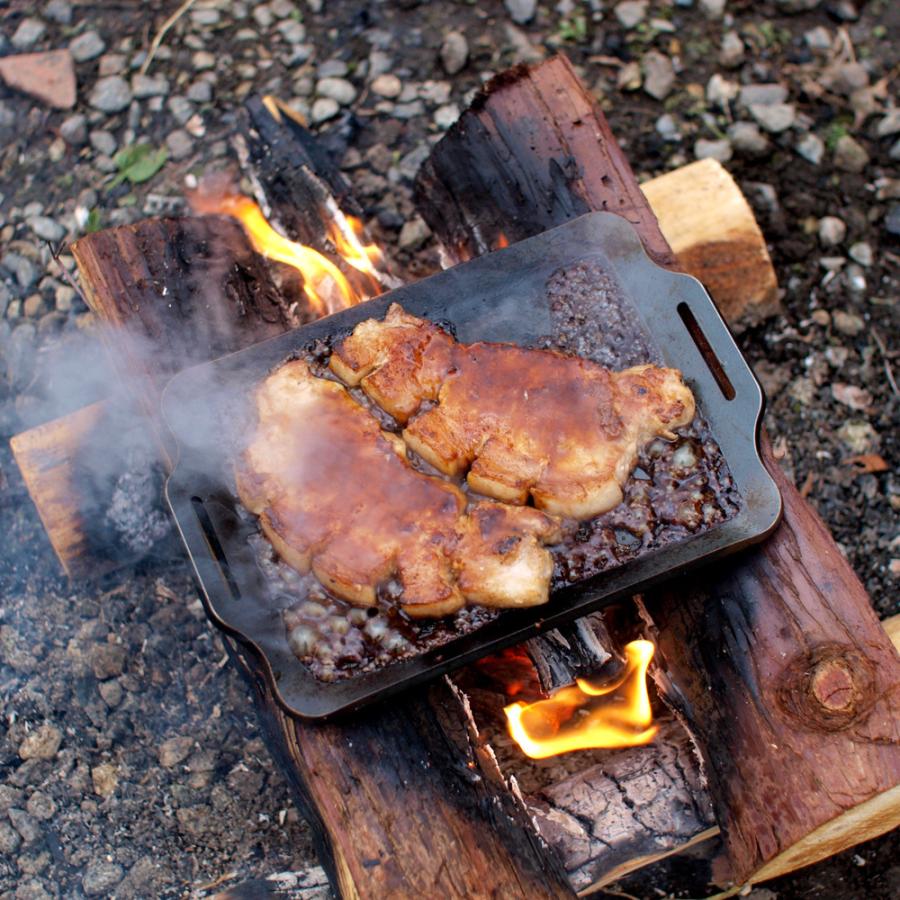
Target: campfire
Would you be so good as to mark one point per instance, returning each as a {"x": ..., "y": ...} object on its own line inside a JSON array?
[{"x": 538, "y": 772}]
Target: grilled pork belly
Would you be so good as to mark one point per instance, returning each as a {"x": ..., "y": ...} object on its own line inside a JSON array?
[
  {"x": 520, "y": 422},
  {"x": 336, "y": 495}
]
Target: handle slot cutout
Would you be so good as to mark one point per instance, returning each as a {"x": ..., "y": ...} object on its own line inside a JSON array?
[
  {"x": 209, "y": 532},
  {"x": 706, "y": 351}
]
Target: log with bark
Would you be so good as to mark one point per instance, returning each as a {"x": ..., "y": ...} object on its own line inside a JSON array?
[{"x": 775, "y": 661}]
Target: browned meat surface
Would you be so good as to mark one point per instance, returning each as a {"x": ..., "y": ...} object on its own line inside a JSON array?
[
  {"x": 520, "y": 422},
  {"x": 336, "y": 496}
]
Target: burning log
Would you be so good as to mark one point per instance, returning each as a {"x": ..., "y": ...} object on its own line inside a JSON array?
[{"x": 737, "y": 644}]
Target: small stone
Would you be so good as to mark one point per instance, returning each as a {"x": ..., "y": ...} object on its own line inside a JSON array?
[
  {"x": 144, "y": 86},
  {"x": 324, "y": 109},
  {"x": 263, "y": 16},
  {"x": 454, "y": 52},
  {"x": 50, "y": 76},
  {"x": 762, "y": 95},
  {"x": 445, "y": 116},
  {"x": 29, "y": 32},
  {"x": 203, "y": 60},
  {"x": 413, "y": 234},
  {"x": 100, "y": 877},
  {"x": 21, "y": 267},
  {"x": 104, "y": 778},
  {"x": 856, "y": 278},
  {"x": 58, "y": 11},
  {"x": 409, "y": 110},
  {"x": 200, "y": 92},
  {"x": 720, "y": 150},
  {"x": 631, "y": 13},
  {"x": 861, "y": 252},
  {"x": 174, "y": 750},
  {"x": 713, "y": 9},
  {"x": 748, "y": 140},
  {"x": 86, "y": 46},
  {"x": 332, "y": 68},
  {"x": 858, "y": 435},
  {"x": 65, "y": 296},
  {"x": 892, "y": 219},
  {"x": 292, "y": 31},
  {"x": 43, "y": 743},
  {"x": 107, "y": 660},
  {"x": 338, "y": 89},
  {"x": 852, "y": 396},
  {"x": 795, "y": 6},
  {"x": 659, "y": 74},
  {"x": 890, "y": 124},
  {"x": 74, "y": 130},
  {"x": 720, "y": 92},
  {"x": 521, "y": 11},
  {"x": 629, "y": 77},
  {"x": 112, "y": 64},
  {"x": 387, "y": 86},
  {"x": 850, "y": 155},
  {"x": 110, "y": 691},
  {"x": 27, "y": 825},
  {"x": 181, "y": 109},
  {"x": 811, "y": 147},
  {"x": 10, "y": 841},
  {"x": 848, "y": 323},
  {"x": 774, "y": 118},
  {"x": 180, "y": 144},
  {"x": 845, "y": 78},
  {"x": 281, "y": 9},
  {"x": 33, "y": 306},
  {"x": 46, "y": 228},
  {"x": 103, "y": 142},
  {"x": 41, "y": 806},
  {"x": 832, "y": 231},
  {"x": 731, "y": 53},
  {"x": 818, "y": 39},
  {"x": 667, "y": 128},
  {"x": 110, "y": 95}
]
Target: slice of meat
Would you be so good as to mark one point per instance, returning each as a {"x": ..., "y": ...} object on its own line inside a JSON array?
[
  {"x": 520, "y": 422},
  {"x": 336, "y": 495}
]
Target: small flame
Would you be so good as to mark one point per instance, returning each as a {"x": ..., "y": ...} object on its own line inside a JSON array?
[
  {"x": 326, "y": 287},
  {"x": 589, "y": 715},
  {"x": 502, "y": 241}
]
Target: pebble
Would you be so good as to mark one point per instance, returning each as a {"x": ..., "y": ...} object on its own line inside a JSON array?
[
  {"x": 774, "y": 118},
  {"x": 29, "y": 32},
  {"x": 107, "y": 660},
  {"x": 41, "y": 806},
  {"x": 64, "y": 298},
  {"x": 44, "y": 741},
  {"x": 203, "y": 60},
  {"x": 445, "y": 116},
  {"x": 454, "y": 52},
  {"x": 205, "y": 17},
  {"x": 521, "y": 11},
  {"x": 713, "y": 9},
  {"x": 9, "y": 839},
  {"x": 324, "y": 109},
  {"x": 818, "y": 39},
  {"x": 856, "y": 278},
  {"x": 104, "y": 778},
  {"x": 33, "y": 306},
  {"x": 747, "y": 139},
  {"x": 332, "y": 68},
  {"x": 731, "y": 53},
  {"x": 263, "y": 16},
  {"x": 110, "y": 95},
  {"x": 720, "y": 150},
  {"x": 112, "y": 64},
  {"x": 858, "y": 435},
  {"x": 762, "y": 95},
  {"x": 413, "y": 234},
  {"x": 338, "y": 89},
  {"x": 387, "y": 86},
  {"x": 58, "y": 11},
  {"x": 832, "y": 231},
  {"x": 181, "y": 109},
  {"x": 46, "y": 228},
  {"x": 27, "y": 825},
  {"x": 100, "y": 877},
  {"x": 174, "y": 750},
  {"x": 720, "y": 91},
  {"x": 892, "y": 219},
  {"x": 86, "y": 46},
  {"x": 855, "y": 397},
  {"x": 293, "y": 32},
  {"x": 103, "y": 142},
  {"x": 73, "y": 130},
  {"x": 850, "y": 155},
  {"x": 861, "y": 252},
  {"x": 284, "y": 8},
  {"x": 811, "y": 147},
  {"x": 409, "y": 110},
  {"x": 379, "y": 63},
  {"x": 890, "y": 124},
  {"x": 848, "y": 323},
  {"x": 200, "y": 92},
  {"x": 845, "y": 78},
  {"x": 180, "y": 144},
  {"x": 667, "y": 128},
  {"x": 144, "y": 86},
  {"x": 659, "y": 74},
  {"x": 20, "y": 266}
]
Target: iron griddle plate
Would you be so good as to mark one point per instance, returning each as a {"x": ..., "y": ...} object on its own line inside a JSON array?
[{"x": 498, "y": 297}]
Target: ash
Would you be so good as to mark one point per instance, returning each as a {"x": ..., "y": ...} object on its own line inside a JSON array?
[{"x": 134, "y": 511}]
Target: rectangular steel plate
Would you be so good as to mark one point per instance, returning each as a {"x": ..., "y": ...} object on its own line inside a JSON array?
[{"x": 498, "y": 297}]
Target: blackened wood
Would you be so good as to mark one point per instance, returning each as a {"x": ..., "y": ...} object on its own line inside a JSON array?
[{"x": 532, "y": 153}]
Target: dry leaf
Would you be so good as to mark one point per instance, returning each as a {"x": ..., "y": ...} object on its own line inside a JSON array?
[{"x": 867, "y": 462}]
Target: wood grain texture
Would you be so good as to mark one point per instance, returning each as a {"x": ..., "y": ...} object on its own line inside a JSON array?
[
  {"x": 714, "y": 633},
  {"x": 711, "y": 228}
]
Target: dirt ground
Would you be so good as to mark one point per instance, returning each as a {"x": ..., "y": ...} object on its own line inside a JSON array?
[{"x": 160, "y": 782}]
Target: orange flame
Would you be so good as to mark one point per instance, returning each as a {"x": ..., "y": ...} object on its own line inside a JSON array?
[
  {"x": 589, "y": 715},
  {"x": 326, "y": 287},
  {"x": 502, "y": 241}
]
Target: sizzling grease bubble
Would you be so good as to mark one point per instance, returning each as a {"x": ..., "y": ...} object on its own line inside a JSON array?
[
  {"x": 394, "y": 641},
  {"x": 358, "y": 617},
  {"x": 684, "y": 457},
  {"x": 339, "y": 625},
  {"x": 302, "y": 640},
  {"x": 312, "y": 610},
  {"x": 376, "y": 628}
]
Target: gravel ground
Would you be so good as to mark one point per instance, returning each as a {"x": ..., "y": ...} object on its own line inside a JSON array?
[{"x": 130, "y": 762}]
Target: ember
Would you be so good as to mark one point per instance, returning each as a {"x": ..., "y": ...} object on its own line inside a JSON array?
[{"x": 589, "y": 714}]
